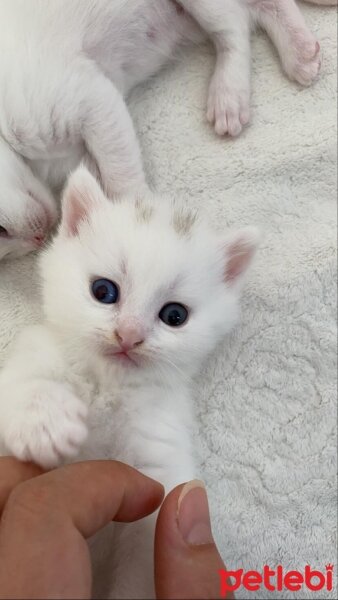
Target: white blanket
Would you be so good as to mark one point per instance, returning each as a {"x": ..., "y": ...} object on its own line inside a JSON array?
[{"x": 266, "y": 401}]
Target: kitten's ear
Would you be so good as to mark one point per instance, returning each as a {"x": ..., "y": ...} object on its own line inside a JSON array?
[
  {"x": 240, "y": 249},
  {"x": 82, "y": 195}
]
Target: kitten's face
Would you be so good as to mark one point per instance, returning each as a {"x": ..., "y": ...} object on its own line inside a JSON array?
[
  {"x": 27, "y": 210},
  {"x": 137, "y": 284}
]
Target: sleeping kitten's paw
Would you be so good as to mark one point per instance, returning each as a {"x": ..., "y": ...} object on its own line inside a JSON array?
[
  {"x": 228, "y": 108},
  {"x": 44, "y": 422},
  {"x": 302, "y": 59}
]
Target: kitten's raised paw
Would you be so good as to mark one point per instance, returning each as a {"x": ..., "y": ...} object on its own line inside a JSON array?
[
  {"x": 228, "y": 109},
  {"x": 44, "y": 422},
  {"x": 302, "y": 63}
]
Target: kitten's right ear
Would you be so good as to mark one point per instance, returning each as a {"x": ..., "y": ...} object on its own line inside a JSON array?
[
  {"x": 240, "y": 249},
  {"x": 82, "y": 195}
]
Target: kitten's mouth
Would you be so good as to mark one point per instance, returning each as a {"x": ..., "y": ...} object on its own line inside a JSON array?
[
  {"x": 120, "y": 356},
  {"x": 47, "y": 212}
]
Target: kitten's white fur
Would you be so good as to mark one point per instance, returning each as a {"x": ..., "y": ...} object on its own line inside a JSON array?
[
  {"x": 65, "y": 67},
  {"x": 61, "y": 379}
]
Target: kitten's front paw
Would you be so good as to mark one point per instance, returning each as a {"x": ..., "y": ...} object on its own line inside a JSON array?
[
  {"x": 44, "y": 422},
  {"x": 228, "y": 109},
  {"x": 302, "y": 61}
]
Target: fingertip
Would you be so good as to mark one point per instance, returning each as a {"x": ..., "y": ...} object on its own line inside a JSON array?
[
  {"x": 149, "y": 498},
  {"x": 187, "y": 561},
  {"x": 193, "y": 516},
  {"x": 100, "y": 491},
  {"x": 184, "y": 509}
]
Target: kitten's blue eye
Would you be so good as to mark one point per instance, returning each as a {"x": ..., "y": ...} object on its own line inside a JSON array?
[
  {"x": 105, "y": 291},
  {"x": 173, "y": 314}
]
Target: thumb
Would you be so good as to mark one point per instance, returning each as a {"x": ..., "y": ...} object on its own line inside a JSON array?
[{"x": 187, "y": 562}]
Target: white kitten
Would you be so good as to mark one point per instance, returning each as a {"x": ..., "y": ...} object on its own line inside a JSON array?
[
  {"x": 27, "y": 208},
  {"x": 66, "y": 65},
  {"x": 136, "y": 294}
]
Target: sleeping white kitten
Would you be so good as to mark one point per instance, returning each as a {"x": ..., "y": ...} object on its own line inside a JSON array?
[
  {"x": 137, "y": 293},
  {"x": 66, "y": 65}
]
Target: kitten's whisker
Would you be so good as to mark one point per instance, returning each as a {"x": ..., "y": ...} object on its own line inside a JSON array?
[{"x": 181, "y": 373}]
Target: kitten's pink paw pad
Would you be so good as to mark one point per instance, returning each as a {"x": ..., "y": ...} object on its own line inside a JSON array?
[
  {"x": 228, "y": 110},
  {"x": 46, "y": 424}
]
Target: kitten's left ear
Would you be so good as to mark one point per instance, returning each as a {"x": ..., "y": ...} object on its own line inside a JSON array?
[
  {"x": 81, "y": 196},
  {"x": 240, "y": 249}
]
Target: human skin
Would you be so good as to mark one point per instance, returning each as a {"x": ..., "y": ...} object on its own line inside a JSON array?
[{"x": 46, "y": 518}]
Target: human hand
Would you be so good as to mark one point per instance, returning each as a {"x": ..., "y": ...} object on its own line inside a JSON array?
[
  {"x": 187, "y": 562},
  {"x": 46, "y": 518}
]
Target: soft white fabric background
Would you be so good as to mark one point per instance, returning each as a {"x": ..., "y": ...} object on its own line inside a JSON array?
[{"x": 266, "y": 401}]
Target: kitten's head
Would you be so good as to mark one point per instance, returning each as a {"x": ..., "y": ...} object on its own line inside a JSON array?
[
  {"x": 27, "y": 210},
  {"x": 141, "y": 283}
]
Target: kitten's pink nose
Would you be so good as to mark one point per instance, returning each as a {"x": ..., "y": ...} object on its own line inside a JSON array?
[{"x": 129, "y": 336}]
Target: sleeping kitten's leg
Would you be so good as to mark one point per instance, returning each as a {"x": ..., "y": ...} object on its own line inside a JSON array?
[
  {"x": 109, "y": 134},
  {"x": 297, "y": 46},
  {"x": 227, "y": 22},
  {"x": 41, "y": 419}
]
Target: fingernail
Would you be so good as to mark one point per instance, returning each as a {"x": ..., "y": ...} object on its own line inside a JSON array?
[{"x": 193, "y": 514}]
